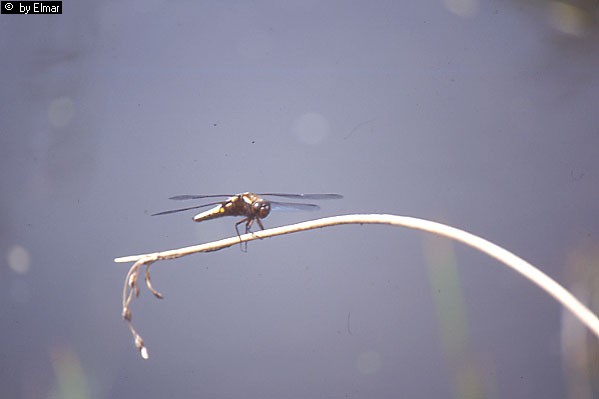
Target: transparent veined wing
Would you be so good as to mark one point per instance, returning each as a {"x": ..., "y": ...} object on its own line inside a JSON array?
[
  {"x": 284, "y": 195},
  {"x": 189, "y": 197},
  {"x": 305, "y": 196},
  {"x": 292, "y": 206},
  {"x": 186, "y": 209}
]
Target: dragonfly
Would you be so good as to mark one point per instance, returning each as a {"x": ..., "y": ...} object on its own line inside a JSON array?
[{"x": 253, "y": 207}]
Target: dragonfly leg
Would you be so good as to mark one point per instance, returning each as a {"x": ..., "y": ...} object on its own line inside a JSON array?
[
  {"x": 244, "y": 248},
  {"x": 249, "y": 225},
  {"x": 257, "y": 219},
  {"x": 261, "y": 226}
]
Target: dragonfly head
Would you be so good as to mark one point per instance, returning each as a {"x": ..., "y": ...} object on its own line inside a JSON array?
[{"x": 261, "y": 208}]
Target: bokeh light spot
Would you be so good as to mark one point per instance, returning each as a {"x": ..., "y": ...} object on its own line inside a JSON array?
[
  {"x": 463, "y": 8},
  {"x": 569, "y": 19},
  {"x": 18, "y": 259}
]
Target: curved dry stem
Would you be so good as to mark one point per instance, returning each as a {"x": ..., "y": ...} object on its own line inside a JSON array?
[{"x": 533, "y": 274}]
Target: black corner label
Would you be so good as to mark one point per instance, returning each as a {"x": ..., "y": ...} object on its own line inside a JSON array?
[{"x": 31, "y": 7}]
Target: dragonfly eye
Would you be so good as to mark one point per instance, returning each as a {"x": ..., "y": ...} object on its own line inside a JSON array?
[{"x": 262, "y": 209}]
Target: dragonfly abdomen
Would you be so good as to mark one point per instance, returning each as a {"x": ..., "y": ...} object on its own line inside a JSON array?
[{"x": 212, "y": 213}]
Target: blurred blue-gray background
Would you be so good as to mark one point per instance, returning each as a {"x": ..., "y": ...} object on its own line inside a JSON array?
[{"x": 482, "y": 115}]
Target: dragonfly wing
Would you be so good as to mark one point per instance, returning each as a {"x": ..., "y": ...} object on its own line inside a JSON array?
[
  {"x": 306, "y": 196},
  {"x": 188, "y": 197},
  {"x": 186, "y": 209},
  {"x": 291, "y": 206}
]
